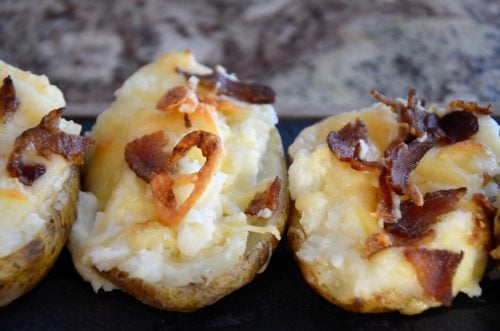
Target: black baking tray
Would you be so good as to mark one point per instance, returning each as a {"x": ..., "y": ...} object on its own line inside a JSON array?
[{"x": 278, "y": 299}]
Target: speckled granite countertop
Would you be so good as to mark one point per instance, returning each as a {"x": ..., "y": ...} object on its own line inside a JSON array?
[{"x": 320, "y": 56}]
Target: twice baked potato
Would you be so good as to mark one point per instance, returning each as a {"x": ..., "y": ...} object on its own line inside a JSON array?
[
  {"x": 39, "y": 179},
  {"x": 393, "y": 204},
  {"x": 495, "y": 252},
  {"x": 188, "y": 187}
]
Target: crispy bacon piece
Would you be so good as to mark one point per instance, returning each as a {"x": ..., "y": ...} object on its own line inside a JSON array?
[
  {"x": 268, "y": 199},
  {"x": 385, "y": 204},
  {"x": 454, "y": 126},
  {"x": 485, "y": 204},
  {"x": 386, "y": 101},
  {"x": 401, "y": 159},
  {"x": 419, "y": 121},
  {"x": 345, "y": 144},
  {"x": 376, "y": 243},
  {"x": 8, "y": 100},
  {"x": 29, "y": 173},
  {"x": 179, "y": 98},
  {"x": 381, "y": 240},
  {"x": 187, "y": 121},
  {"x": 470, "y": 106},
  {"x": 164, "y": 180},
  {"x": 416, "y": 220},
  {"x": 46, "y": 138},
  {"x": 435, "y": 271},
  {"x": 459, "y": 125},
  {"x": 221, "y": 83},
  {"x": 412, "y": 99},
  {"x": 414, "y": 194},
  {"x": 144, "y": 155}
]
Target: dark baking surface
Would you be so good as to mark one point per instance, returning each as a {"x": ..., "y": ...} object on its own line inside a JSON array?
[{"x": 278, "y": 299}]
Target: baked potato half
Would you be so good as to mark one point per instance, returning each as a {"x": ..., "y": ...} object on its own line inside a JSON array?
[
  {"x": 392, "y": 204},
  {"x": 21, "y": 270},
  {"x": 187, "y": 185},
  {"x": 39, "y": 179},
  {"x": 495, "y": 252}
]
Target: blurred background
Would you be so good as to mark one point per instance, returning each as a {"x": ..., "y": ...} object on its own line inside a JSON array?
[{"x": 320, "y": 56}]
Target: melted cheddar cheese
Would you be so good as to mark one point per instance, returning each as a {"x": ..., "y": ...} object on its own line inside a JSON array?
[
  {"x": 24, "y": 210},
  {"x": 337, "y": 208},
  {"x": 125, "y": 232}
]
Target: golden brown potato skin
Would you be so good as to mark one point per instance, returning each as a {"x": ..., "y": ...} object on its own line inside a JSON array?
[
  {"x": 194, "y": 296},
  {"x": 23, "y": 269},
  {"x": 383, "y": 302},
  {"x": 312, "y": 275}
]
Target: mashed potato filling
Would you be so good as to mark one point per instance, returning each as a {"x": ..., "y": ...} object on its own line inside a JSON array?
[
  {"x": 24, "y": 210},
  {"x": 337, "y": 207},
  {"x": 125, "y": 231}
]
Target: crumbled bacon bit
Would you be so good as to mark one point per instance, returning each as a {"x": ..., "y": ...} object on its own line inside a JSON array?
[
  {"x": 459, "y": 125},
  {"x": 222, "y": 84},
  {"x": 401, "y": 159},
  {"x": 381, "y": 241},
  {"x": 187, "y": 121},
  {"x": 360, "y": 164},
  {"x": 164, "y": 180},
  {"x": 384, "y": 198},
  {"x": 416, "y": 220},
  {"x": 414, "y": 194},
  {"x": 179, "y": 98},
  {"x": 485, "y": 204},
  {"x": 412, "y": 99},
  {"x": 46, "y": 138},
  {"x": 144, "y": 155},
  {"x": 8, "y": 100},
  {"x": 29, "y": 173},
  {"x": 376, "y": 243},
  {"x": 435, "y": 271},
  {"x": 470, "y": 106},
  {"x": 268, "y": 199},
  {"x": 419, "y": 132},
  {"x": 454, "y": 126},
  {"x": 419, "y": 121},
  {"x": 386, "y": 101},
  {"x": 345, "y": 144}
]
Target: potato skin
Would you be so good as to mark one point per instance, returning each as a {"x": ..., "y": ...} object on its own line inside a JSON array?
[
  {"x": 194, "y": 296},
  {"x": 23, "y": 269},
  {"x": 197, "y": 295},
  {"x": 312, "y": 275},
  {"x": 382, "y": 302}
]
